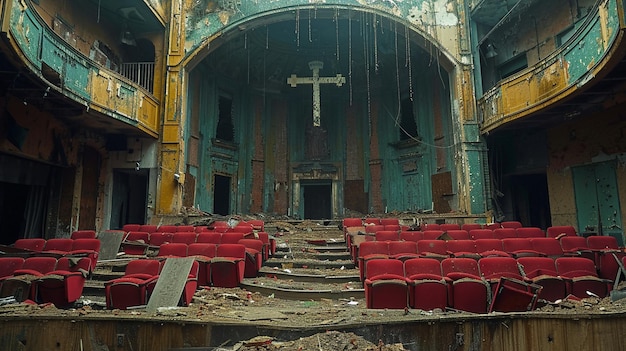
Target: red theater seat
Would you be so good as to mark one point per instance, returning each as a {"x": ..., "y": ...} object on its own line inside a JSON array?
[
  {"x": 385, "y": 284},
  {"x": 427, "y": 288}
]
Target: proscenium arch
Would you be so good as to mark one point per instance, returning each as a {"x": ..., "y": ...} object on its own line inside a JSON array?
[{"x": 258, "y": 54}]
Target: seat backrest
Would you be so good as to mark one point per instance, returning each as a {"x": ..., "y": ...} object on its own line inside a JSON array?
[
  {"x": 412, "y": 235},
  {"x": 530, "y": 232},
  {"x": 243, "y": 228},
  {"x": 9, "y": 264},
  {"x": 173, "y": 249},
  {"x": 432, "y": 234},
  {"x": 373, "y": 247},
  {"x": 58, "y": 244},
  {"x": 160, "y": 238},
  {"x": 143, "y": 237},
  {"x": 83, "y": 234},
  {"x": 40, "y": 264},
  {"x": 131, "y": 227},
  {"x": 503, "y": 233},
  {"x": 167, "y": 228},
  {"x": 184, "y": 237},
  {"x": 575, "y": 267},
  {"x": 483, "y": 245},
  {"x": 231, "y": 237},
  {"x": 387, "y": 235},
  {"x": 255, "y": 244},
  {"x": 535, "y": 266},
  {"x": 392, "y": 227},
  {"x": 493, "y": 226},
  {"x": 548, "y": 246},
  {"x": 511, "y": 224},
  {"x": 569, "y": 243},
  {"x": 150, "y": 267},
  {"x": 257, "y": 224},
  {"x": 389, "y": 221},
  {"x": 460, "y": 265},
  {"x": 601, "y": 242},
  {"x": 449, "y": 226},
  {"x": 383, "y": 266},
  {"x": 432, "y": 246},
  {"x": 457, "y": 246},
  {"x": 430, "y": 226},
  {"x": 231, "y": 250},
  {"x": 481, "y": 234},
  {"x": 352, "y": 222},
  {"x": 458, "y": 234},
  {"x": 32, "y": 244},
  {"x": 150, "y": 228},
  {"x": 185, "y": 228},
  {"x": 422, "y": 266},
  {"x": 402, "y": 247},
  {"x": 557, "y": 230},
  {"x": 471, "y": 226},
  {"x": 86, "y": 244},
  {"x": 516, "y": 244},
  {"x": 209, "y": 237},
  {"x": 202, "y": 249},
  {"x": 495, "y": 267},
  {"x": 72, "y": 265}
]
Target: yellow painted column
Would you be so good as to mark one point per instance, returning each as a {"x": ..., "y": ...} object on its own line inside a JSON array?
[{"x": 171, "y": 174}]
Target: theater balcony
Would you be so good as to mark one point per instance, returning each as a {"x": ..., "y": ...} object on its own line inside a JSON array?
[
  {"x": 542, "y": 63},
  {"x": 92, "y": 64}
]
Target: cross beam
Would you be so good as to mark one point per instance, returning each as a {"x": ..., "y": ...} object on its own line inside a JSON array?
[{"x": 316, "y": 80}]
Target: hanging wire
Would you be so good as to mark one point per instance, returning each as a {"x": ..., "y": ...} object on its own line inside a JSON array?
[
  {"x": 310, "y": 39},
  {"x": 375, "y": 29},
  {"x": 350, "y": 52},
  {"x": 98, "y": 21},
  {"x": 298, "y": 27},
  {"x": 337, "y": 30},
  {"x": 397, "y": 78}
]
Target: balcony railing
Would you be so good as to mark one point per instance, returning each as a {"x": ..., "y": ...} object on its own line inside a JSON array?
[{"x": 141, "y": 73}]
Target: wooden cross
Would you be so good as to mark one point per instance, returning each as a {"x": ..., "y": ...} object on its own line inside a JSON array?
[{"x": 316, "y": 80}]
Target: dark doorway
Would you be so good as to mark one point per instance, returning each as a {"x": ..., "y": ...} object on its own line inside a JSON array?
[
  {"x": 221, "y": 194},
  {"x": 317, "y": 200},
  {"x": 129, "y": 198},
  {"x": 89, "y": 189},
  {"x": 530, "y": 198},
  {"x": 13, "y": 198}
]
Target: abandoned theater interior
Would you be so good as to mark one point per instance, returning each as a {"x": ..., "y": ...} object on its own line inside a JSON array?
[{"x": 312, "y": 174}]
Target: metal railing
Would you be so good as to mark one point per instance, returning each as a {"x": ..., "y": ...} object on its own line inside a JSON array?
[{"x": 141, "y": 73}]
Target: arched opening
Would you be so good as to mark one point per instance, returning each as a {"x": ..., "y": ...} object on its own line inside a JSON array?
[{"x": 341, "y": 96}]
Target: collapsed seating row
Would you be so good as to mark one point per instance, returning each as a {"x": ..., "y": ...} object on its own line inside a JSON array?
[
  {"x": 61, "y": 247},
  {"x": 138, "y": 283},
  {"x": 600, "y": 249},
  {"x": 44, "y": 279},
  {"x": 503, "y": 284},
  {"x": 221, "y": 265},
  {"x": 247, "y": 253},
  {"x": 245, "y": 226},
  {"x": 136, "y": 243}
]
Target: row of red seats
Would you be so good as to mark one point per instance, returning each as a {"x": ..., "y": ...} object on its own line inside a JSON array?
[
  {"x": 502, "y": 284},
  {"x": 245, "y": 226},
  {"x": 44, "y": 279},
  {"x": 598, "y": 248},
  {"x": 58, "y": 247},
  {"x": 135, "y": 287},
  {"x": 136, "y": 243},
  {"x": 462, "y": 234},
  {"x": 252, "y": 257}
]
